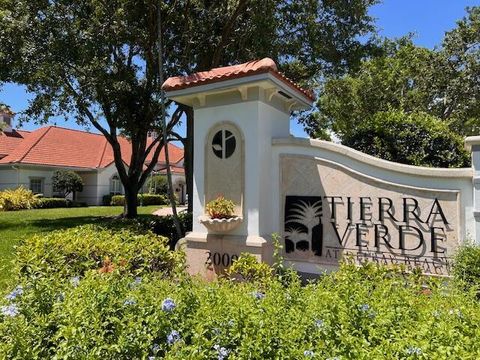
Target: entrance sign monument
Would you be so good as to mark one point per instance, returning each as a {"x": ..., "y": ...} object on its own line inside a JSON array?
[{"x": 328, "y": 202}]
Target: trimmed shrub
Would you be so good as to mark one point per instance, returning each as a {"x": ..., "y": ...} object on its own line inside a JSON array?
[
  {"x": 164, "y": 226},
  {"x": 107, "y": 200},
  {"x": 67, "y": 182},
  {"x": 50, "y": 203},
  {"x": 18, "y": 199},
  {"x": 143, "y": 199},
  {"x": 466, "y": 266},
  {"x": 356, "y": 313},
  {"x": 118, "y": 200},
  {"x": 72, "y": 252}
]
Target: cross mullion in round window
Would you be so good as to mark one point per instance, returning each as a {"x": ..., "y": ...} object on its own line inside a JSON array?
[{"x": 223, "y": 144}]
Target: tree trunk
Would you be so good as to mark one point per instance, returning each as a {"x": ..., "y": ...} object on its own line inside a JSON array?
[
  {"x": 189, "y": 158},
  {"x": 130, "y": 208}
]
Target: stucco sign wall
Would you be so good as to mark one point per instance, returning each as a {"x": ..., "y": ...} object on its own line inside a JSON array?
[
  {"x": 331, "y": 212},
  {"x": 329, "y": 202}
]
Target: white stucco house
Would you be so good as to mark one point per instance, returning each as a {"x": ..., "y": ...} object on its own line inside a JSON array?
[{"x": 29, "y": 159}]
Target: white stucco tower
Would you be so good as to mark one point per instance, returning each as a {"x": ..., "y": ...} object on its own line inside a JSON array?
[{"x": 238, "y": 110}]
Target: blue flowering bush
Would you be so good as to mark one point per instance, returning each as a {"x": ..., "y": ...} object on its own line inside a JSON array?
[{"x": 355, "y": 313}]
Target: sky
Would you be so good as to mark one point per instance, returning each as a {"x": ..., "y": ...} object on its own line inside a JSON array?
[{"x": 427, "y": 19}]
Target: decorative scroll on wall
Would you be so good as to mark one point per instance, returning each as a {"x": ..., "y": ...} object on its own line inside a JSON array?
[{"x": 333, "y": 213}]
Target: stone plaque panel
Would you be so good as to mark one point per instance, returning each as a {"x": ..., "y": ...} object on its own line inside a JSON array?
[{"x": 331, "y": 212}]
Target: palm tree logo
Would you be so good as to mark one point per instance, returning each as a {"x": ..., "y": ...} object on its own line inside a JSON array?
[
  {"x": 295, "y": 238},
  {"x": 306, "y": 211}
]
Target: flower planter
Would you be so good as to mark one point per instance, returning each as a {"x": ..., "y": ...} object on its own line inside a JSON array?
[{"x": 221, "y": 225}]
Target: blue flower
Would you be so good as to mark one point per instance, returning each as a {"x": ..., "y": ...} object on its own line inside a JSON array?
[
  {"x": 15, "y": 293},
  {"x": 173, "y": 337},
  {"x": 61, "y": 297},
  {"x": 456, "y": 312},
  {"x": 155, "y": 348},
  {"x": 320, "y": 324},
  {"x": 75, "y": 281},
  {"x": 222, "y": 352},
  {"x": 412, "y": 350},
  {"x": 231, "y": 322},
  {"x": 168, "y": 305},
  {"x": 364, "y": 307},
  {"x": 258, "y": 295},
  {"x": 308, "y": 353},
  {"x": 136, "y": 282},
  {"x": 10, "y": 310},
  {"x": 129, "y": 301}
]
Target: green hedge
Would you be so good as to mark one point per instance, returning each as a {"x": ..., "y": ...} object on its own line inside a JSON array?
[
  {"x": 51, "y": 203},
  {"x": 164, "y": 226},
  {"x": 145, "y": 200},
  {"x": 355, "y": 313},
  {"x": 73, "y": 252}
]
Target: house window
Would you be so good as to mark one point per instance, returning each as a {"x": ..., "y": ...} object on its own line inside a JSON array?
[
  {"x": 115, "y": 185},
  {"x": 36, "y": 185}
]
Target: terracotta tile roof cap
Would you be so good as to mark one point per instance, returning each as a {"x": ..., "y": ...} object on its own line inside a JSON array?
[{"x": 265, "y": 65}]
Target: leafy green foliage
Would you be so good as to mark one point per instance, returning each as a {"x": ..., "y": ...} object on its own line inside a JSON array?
[
  {"x": 356, "y": 313},
  {"x": 248, "y": 268},
  {"x": 93, "y": 60},
  {"x": 51, "y": 203},
  {"x": 466, "y": 267},
  {"x": 18, "y": 199},
  {"x": 406, "y": 78},
  {"x": 143, "y": 199},
  {"x": 220, "y": 208},
  {"x": 165, "y": 226},
  {"x": 72, "y": 252},
  {"x": 67, "y": 182},
  {"x": 157, "y": 184},
  {"x": 416, "y": 139}
]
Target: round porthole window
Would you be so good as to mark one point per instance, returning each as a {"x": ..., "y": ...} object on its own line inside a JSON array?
[{"x": 224, "y": 144}]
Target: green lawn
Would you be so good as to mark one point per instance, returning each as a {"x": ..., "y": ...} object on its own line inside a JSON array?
[{"x": 17, "y": 225}]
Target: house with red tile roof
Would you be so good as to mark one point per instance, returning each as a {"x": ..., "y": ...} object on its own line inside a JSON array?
[{"x": 29, "y": 159}]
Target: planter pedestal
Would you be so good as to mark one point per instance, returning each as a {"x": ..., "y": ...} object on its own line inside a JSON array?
[{"x": 209, "y": 255}]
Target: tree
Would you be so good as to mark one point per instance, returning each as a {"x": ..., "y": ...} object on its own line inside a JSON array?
[
  {"x": 68, "y": 182},
  {"x": 157, "y": 184},
  {"x": 456, "y": 81},
  {"x": 443, "y": 83},
  {"x": 96, "y": 60},
  {"x": 409, "y": 138}
]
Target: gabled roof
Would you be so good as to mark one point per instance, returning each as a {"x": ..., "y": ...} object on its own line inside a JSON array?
[
  {"x": 10, "y": 140},
  {"x": 254, "y": 67},
  {"x": 56, "y": 146}
]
